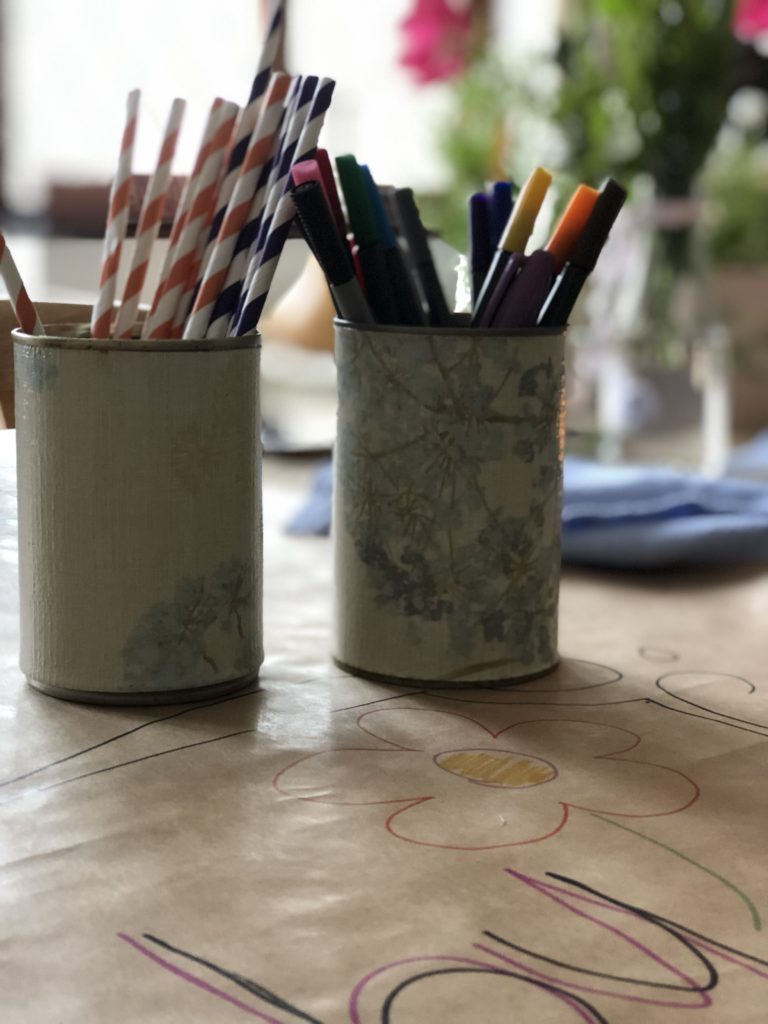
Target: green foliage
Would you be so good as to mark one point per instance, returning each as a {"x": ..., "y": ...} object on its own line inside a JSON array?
[
  {"x": 735, "y": 183},
  {"x": 493, "y": 132},
  {"x": 644, "y": 88},
  {"x": 636, "y": 87}
]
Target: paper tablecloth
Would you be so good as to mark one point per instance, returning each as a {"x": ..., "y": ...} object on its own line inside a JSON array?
[{"x": 587, "y": 847}]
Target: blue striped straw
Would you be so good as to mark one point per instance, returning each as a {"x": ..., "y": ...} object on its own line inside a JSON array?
[
  {"x": 227, "y": 302},
  {"x": 275, "y": 233}
]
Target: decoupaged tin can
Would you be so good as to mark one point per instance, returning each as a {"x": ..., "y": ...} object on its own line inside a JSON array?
[
  {"x": 140, "y": 543},
  {"x": 447, "y": 503}
]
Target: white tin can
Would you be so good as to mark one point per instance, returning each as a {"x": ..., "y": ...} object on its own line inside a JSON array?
[
  {"x": 140, "y": 536},
  {"x": 447, "y": 503}
]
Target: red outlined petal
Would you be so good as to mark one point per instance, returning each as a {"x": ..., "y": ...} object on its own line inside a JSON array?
[
  {"x": 565, "y": 740},
  {"x": 629, "y": 788},
  {"x": 479, "y": 820}
]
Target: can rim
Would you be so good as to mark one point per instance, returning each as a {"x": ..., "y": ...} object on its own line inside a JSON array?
[
  {"x": 459, "y": 329},
  {"x": 77, "y": 336}
]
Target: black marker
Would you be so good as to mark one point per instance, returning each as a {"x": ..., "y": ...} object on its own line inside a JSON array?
[
  {"x": 415, "y": 236},
  {"x": 565, "y": 291},
  {"x": 319, "y": 228},
  {"x": 409, "y": 307}
]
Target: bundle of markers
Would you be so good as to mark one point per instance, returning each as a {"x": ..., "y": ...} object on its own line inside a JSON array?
[
  {"x": 231, "y": 222},
  {"x": 373, "y": 278}
]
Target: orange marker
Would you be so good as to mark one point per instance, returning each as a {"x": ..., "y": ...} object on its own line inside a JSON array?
[{"x": 571, "y": 224}]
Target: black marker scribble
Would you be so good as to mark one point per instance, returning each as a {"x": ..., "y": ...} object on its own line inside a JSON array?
[
  {"x": 250, "y": 986},
  {"x": 147, "y": 757},
  {"x": 554, "y": 990},
  {"x": 128, "y": 732},
  {"x": 751, "y": 688}
]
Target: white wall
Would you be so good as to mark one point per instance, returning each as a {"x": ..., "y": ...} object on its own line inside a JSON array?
[{"x": 71, "y": 63}]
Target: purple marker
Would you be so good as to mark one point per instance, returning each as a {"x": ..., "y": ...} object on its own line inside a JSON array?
[
  {"x": 480, "y": 248},
  {"x": 522, "y": 302},
  {"x": 512, "y": 268}
]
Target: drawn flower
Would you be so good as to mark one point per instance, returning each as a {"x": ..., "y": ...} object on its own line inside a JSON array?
[
  {"x": 437, "y": 37},
  {"x": 463, "y": 786}
]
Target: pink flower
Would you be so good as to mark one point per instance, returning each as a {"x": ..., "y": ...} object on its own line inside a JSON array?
[
  {"x": 750, "y": 18},
  {"x": 437, "y": 39},
  {"x": 451, "y": 782}
]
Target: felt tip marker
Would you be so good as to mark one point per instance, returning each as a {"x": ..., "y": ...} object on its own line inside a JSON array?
[
  {"x": 415, "y": 236},
  {"x": 406, "y": 298},
  {"x": 581, "y": 262},
  {"x": 571, "y": 224},
  {"x": 515, "y": 235},
  {"x": 378, "y": 288},
  {"x": 319, "y": 228}
]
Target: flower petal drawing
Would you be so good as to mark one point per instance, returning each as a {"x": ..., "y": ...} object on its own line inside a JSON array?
[
  {"x": 471, "y": 824},
  {"x": 465, "y": 786}
]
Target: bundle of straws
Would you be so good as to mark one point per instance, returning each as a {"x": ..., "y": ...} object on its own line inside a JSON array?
[{"x": 232, "y": 220}]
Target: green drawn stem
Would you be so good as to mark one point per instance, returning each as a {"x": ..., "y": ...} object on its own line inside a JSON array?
[{"x": 756, "y": 921}]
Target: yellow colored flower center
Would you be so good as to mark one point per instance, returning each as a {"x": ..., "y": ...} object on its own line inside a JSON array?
[{"x": 497, "y": 767}]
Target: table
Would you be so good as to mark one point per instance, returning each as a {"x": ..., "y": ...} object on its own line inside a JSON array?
[{"x": 586, "y": 847}]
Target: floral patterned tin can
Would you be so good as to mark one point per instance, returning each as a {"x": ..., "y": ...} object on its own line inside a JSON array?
[
  {"x": 139, "y": 488},
  {"x": 447, "y": 503}
]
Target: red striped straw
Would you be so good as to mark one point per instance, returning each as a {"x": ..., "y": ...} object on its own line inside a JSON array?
[
  {"x": 149, "y": 222},
  {"x": 247, "y": 122},
  {"x": 182, "y": 210},
  {"x": 26, "y": 314},
  {"x": 117, "y": 224},
  {"x": 239, "y": 207},
  {"x": 199, "y": 193},
  {"x": 202, "y": 211}
]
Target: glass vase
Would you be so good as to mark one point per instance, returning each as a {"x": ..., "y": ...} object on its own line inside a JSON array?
[{"x": 649, "y": 359}]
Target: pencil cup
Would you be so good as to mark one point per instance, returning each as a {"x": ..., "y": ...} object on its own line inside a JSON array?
[
  {"x": 139, "y": 484},
  {"x": 447, "y": 500},
  {"x": 51, "y": 313}
]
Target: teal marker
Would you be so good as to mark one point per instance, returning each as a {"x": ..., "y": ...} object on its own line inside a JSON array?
[{"x": 362, "y": 221}]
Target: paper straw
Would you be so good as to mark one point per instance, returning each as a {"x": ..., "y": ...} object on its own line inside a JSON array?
[
  {"x": 149, "y": 222},
  {"x": 239, "y": 208},
  {"x": 196, "y": 230},
  {"x": 275, "y": 232},
  {"x": 117, "y": 223},
  {"x": 248, "y": 118},
  {"x": 253, "y": 304},
  {"x": 26, "y": 314},
  {"x": 226, "y": 304},
  {"x": 302, "y": 148},
  {"x": 199, "y": 202},
  {"x": 184, "y": 205},
  {"x": 280, "y": 178}
]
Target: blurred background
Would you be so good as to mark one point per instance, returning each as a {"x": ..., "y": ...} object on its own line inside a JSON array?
[{"x": 668, "y": 350}]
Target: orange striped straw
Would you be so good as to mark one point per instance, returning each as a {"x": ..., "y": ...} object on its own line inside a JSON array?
[
  {"x": 203, "y": 210},
  {"x": 117, "y": 224},
  {"x": 149, "y": 222},
  {"x": 571, "y": 224},
  {"x": 182, "y": 210},
  {"x": 239, "y": 207},
  {"x": 26, "y": 314},
  {"x": 180, "y": 270}
]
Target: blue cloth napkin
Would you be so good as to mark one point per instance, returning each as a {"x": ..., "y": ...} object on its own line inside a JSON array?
[{"x": 637, "y": 517}]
